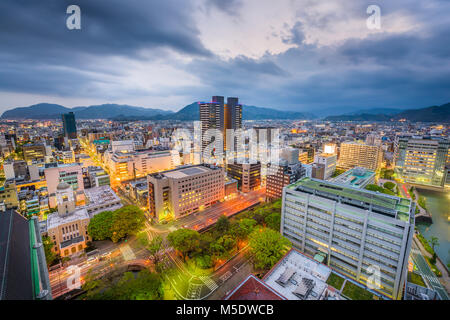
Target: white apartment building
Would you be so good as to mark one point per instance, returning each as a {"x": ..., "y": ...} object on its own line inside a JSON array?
[{"x": 358, "y": 230}]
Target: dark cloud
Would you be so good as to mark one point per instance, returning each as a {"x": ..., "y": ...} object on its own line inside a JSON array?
[
  {"x": 230, "y": 7},
  {"x": 40, "y": 56}
]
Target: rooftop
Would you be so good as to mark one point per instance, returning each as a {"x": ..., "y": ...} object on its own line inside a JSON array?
[
  {"x": 298, "y": 277},
  {"x": 356, "y": 177},
  {"x": 185, "y": 171},
  {"x": 254, "y": 289},
  {"x": 393, "y": 206},
  {"x": 54, "y": 220}
]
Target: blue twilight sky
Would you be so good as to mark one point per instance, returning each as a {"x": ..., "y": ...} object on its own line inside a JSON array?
[{"x": 300, "y": 55}]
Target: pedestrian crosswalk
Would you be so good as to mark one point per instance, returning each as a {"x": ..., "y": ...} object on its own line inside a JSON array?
[
  {"x": 193, "y": 292},
  {"x": 431, "y": 278},
  {"x": 209, "y": 283}
]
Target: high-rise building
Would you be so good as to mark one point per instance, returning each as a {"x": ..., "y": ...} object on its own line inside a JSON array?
[
  {"x": 354, "y": 154},
  {"x": 185, "y": 190},
  {"x": 233, "y": 118},
  {"x": 69, "y": 125},
  {"x": 218, "y": 115},
  {"x": 279, "y": 176},
  {"x": 248, "y": 175},
  {"x": 421, "y": 160},
  {"x": 358, "y": 231},
  {"x": 211, "y": 117}
]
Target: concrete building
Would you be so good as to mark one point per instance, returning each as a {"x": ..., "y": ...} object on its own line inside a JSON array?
[
  {"x": 279, "y": 176},
  {"x": 67, "y": 228},
  {"x": 421, "y": 160},
  {"x": 185, "y": 190},
  {"x": 248, "y": 175},
  {"x": 358, "y": 231},
  {"x": 354, "y": 154},
  {"x": 34, "y": 152},
  {"x": 72, "y": 174},
  {"x": 99, "y": 199},
  {"x": 329, "y": 163},
  {"x": 125, "y": 165},
  {"x": 8, "y": 194}
]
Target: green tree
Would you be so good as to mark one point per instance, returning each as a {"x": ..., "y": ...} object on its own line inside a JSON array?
[
  {"x": 222, "y": 224},
  {"x": 222, "y": 246},
  {"x": 434, "y": 242},
  {"x": 154, "y": 248},
  {"x": 50, "y": 256},
  {"x": 126, "y": 221},
  {"x": 389, "y": 185},
  {"x": 273, "y": 221},
  {"x": 267, "y": 247},
  {"x": 184, "y": 240},
  {"x": 100, "y": 226},
  {"x": 144, "y": 286}
]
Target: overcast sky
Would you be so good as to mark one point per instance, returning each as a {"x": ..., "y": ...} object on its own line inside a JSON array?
[{"x": 300, "y": 55}]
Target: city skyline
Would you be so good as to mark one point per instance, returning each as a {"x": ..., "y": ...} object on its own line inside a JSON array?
[{"x": 295, "y": 59}]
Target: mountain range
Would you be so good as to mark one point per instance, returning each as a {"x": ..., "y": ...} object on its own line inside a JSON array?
[
  {"x": 429, "y": 114},
  {"x": 126, "y": 112},
  {"x": 191, "y": 113}
]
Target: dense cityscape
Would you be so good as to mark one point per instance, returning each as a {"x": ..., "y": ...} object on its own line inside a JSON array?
[
  {"x": 224, "y": 158},
  {"x": 309, "y": 210}
]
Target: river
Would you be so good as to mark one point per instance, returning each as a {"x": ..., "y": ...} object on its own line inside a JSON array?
[{"x": 438, "y": 203}]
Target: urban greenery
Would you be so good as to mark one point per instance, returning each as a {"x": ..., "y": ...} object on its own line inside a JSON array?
[
  {"x": 50, "y": 256},
  {"x": 416, "y": 279},
  {"x": 143, "y": 285},
  {"x": 116, "y": 225},
  {"x": 267, "y": 247},
  {"x": 355, "y": 292},
  {"x": 335, "y": 281},
  {"x": 374, "y": 187}
]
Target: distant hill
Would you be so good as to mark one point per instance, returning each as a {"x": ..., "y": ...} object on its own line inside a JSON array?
[
  {"x": 104, "y": 111},
  {"x": 126, "y": 112},
  {"x": 191, "y": 112},
  {"x": 429, "y": 114}
]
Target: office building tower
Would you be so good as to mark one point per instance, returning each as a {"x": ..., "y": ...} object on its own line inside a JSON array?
[
  {"x": 69, "y": 125},
  {"x": 354, "y": 154},
  {"x": 233, "y": 118},
  {"x": 358, "y": 231},
  {"x": 211, "y": 117},
  {"x": 248, "y": 175},
  {"x": 421, "y": 160},
  {"x": 185, "y": 190}
]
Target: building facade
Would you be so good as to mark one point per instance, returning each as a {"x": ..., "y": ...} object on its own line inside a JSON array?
[
  {"x": 279, "y": 176},
  {"x": 421, "y": 160},
  {"x": 185, "y": 190},
  {"x": 69, "y": 125},
  {"x": 354, "y": 154},
  {"x": 248, "y": 175},
  {"x": 358, "y": 231}
]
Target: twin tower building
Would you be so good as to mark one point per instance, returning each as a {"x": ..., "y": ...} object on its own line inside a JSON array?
[{"x": 221, "y": 116}]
